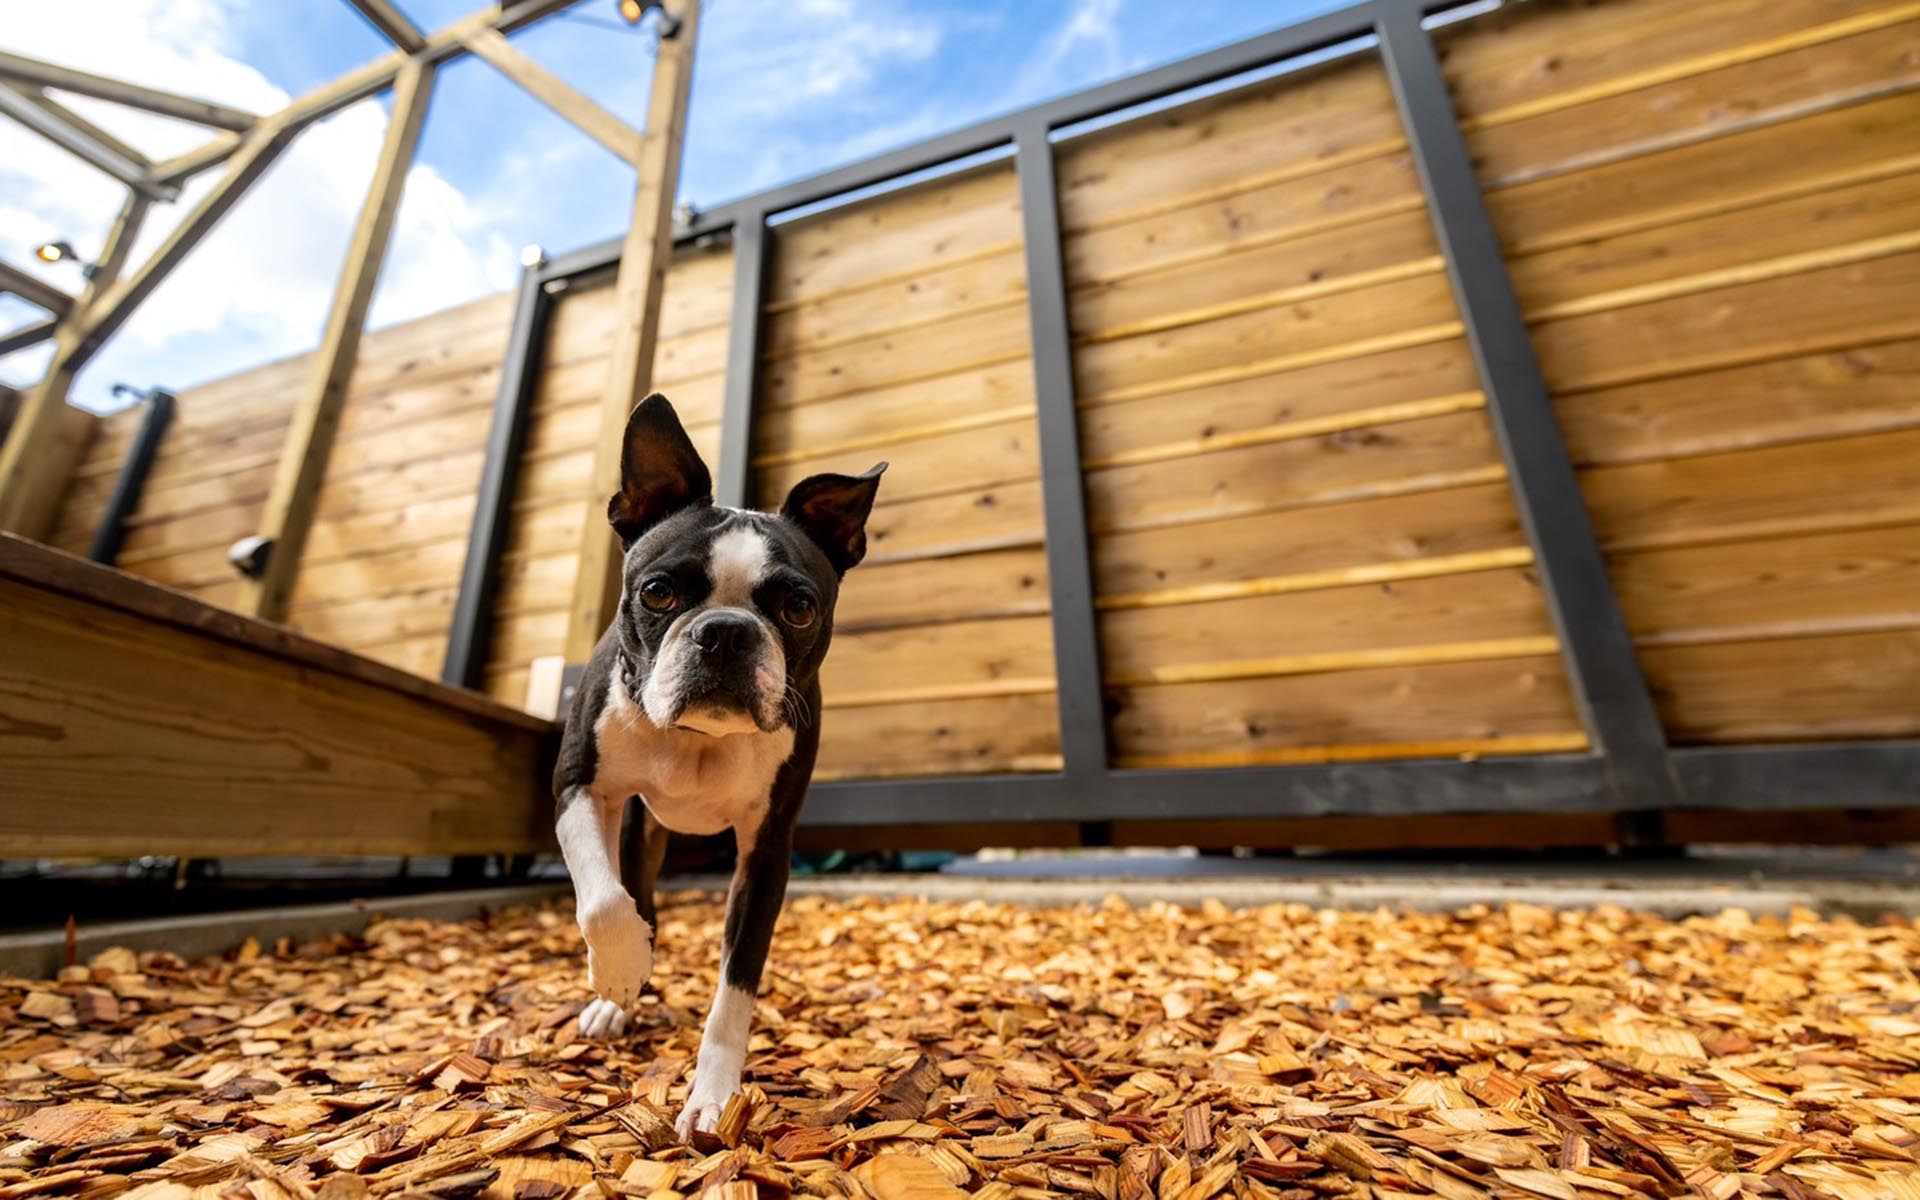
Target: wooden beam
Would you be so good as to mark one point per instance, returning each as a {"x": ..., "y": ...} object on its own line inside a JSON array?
[
  {"x": 643, "y": 270},
  {"x": 37, "y": 459},
  {"x": 182, "y": 167},
  {"x": 34, "y": 290},
  {"x": 82, "y": 139},
  {"x": 104, "y": 317},
  {"x": 375, "y": 77},
  {"x": 28, "y": 335},
  {"x": 391, "y": 22},
  {"x": 133, "y": 95},
  {"x": 316, "y": 414},
  {"x": 579, "y": 109}
]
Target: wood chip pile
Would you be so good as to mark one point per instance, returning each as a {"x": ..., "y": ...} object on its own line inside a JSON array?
[{"x": 912, "y": 1051}]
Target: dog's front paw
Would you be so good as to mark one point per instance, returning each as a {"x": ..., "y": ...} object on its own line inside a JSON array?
[
  {"x": 704, "y": 1104},
  {"x": 602, "y": 1021},
  {"x": 619, "y": 951}
]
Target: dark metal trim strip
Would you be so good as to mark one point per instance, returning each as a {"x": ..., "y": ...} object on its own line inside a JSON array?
[
  {"x": 1076, "y": 643},
  {"x": 111, "y": 532},
  {"x": 1612, "y": 695},
  {"x": 472, "y": 628}
]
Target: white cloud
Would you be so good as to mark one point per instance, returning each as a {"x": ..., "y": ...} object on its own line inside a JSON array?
[
  {"x": 1091, "y": 24},
  {"x": 258, "y": 286}
]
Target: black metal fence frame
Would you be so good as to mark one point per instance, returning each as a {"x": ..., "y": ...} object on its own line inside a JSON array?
[{"x": 1630, "y": 769}]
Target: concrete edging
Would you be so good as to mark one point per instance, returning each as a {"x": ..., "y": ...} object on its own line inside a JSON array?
[{"x": 41, "y": 954}]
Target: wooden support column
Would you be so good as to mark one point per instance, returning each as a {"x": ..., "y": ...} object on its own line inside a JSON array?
[
  {"x": 37, "y": 460},
  {"x": 316, "y": 415},
  {"x": 643, "y": 270}
]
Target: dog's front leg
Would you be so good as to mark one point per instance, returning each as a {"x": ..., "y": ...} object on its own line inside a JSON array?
[
  {"x": 619, "y": 941},
  {"x": 753, "y": 907}
]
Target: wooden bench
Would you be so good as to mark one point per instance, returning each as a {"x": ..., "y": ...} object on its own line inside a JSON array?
[{"x": 137, "y": 720}]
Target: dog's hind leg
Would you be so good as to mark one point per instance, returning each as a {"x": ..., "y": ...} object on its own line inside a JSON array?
[{"x": 643, "y": 848}]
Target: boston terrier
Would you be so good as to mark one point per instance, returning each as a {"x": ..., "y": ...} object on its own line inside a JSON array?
[{"x": 699, "y": 712}]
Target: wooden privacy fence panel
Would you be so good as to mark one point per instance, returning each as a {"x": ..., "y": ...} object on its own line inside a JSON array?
[
  {"x": 392, "y": 516},
  {"x": 1712, "y": 219},
  {"x": 896, "y": 329},
  {"x": 382, "y": 560},
  {"x": 1278, "y": 452},
  {"x": 1303, "y": 541},
  {"x": 550, "y": 496}
]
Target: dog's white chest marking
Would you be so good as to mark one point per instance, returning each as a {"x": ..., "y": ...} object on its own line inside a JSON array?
[{"x": 692, "y": 783}]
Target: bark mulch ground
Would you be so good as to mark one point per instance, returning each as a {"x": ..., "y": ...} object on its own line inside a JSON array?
[{"x": 909, "y": 1051}]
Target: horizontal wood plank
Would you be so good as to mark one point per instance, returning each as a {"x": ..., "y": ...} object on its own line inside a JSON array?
[
  {"x": 1331, "y": 537},
  {"x": 1439, "y": 703},
  {"x": 1410, "y": 456},
  {"x": 1863, "y": 389},
  {"x": 949, "y": 737},
  {"x": 1481, "y": 606},
  {"x": 1843, "y": 483},
  {"x": 1858, "y": 685},
  {"x": 1853, "y": 581}
]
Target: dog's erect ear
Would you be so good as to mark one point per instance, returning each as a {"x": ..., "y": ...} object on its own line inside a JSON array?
[
  {"x": 660, "y": 471},
  {"x": 832, "y": 510}
]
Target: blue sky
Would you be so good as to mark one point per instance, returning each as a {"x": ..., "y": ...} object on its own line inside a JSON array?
[{"x": 782, "y": 88}]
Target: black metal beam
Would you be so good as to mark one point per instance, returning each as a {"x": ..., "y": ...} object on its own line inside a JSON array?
[
  {"x": 112, "y": 529},
  {"x": 743, "y": 360},
  {"x": 1614, "y": 702},
  {"x": 472, "y": 629},
  {"x": 1836, "y": 776},
  {"x": 1535, "y": 784},
  {"x": 1816, "y": 775},
  {"x": 1076, "y": 643}
]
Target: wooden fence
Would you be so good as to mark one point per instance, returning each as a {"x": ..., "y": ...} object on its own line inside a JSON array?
[{"x": 1303, "y": 541}]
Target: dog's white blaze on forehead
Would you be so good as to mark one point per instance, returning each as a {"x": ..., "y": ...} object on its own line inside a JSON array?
[{"x": 738, "y": 563}]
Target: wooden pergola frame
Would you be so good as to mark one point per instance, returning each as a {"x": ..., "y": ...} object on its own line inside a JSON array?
[{"x": 36, "y": 463}]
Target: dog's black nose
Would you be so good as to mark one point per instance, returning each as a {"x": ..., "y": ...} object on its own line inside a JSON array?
[{"x": 725, "y": 633}]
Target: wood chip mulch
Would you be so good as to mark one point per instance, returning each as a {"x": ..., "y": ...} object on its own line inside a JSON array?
[{"x": 913, "y": 1051}]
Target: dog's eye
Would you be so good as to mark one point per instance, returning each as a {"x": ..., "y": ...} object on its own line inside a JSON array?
[
  {"x": 658, "y": 596},
  {"x": 799, "y": 610}
]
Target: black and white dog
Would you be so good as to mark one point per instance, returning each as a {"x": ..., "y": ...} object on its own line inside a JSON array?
[{"x": 699, "y": 712}]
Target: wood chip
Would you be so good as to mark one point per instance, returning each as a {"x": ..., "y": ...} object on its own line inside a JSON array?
[{"x": 1004, "y": 1051}]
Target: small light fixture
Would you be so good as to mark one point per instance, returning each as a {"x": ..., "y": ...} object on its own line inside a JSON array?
[
  {"x": 531, "y": 255},
  {"x": 62, "y": 251},
  {"x": 635, "y": 11}
]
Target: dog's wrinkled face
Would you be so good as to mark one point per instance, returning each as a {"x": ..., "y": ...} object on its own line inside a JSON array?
[{"x": 725, "y": 614}]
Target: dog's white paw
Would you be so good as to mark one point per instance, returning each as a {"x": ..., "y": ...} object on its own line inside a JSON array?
[
  {"x": 704, "y": 1104},
  {"x": 619, "y": 950},
  {"x": 602, "y": 1021}
]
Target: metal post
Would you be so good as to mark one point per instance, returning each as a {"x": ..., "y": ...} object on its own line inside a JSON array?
[
  {"x": 1076, "y": 644},
  {"x": 1607, "y": 684},
  {"x": 472, "y": 628},
  {"x": 112, "y": 530},
  {"x": 743, "y": 360}
]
